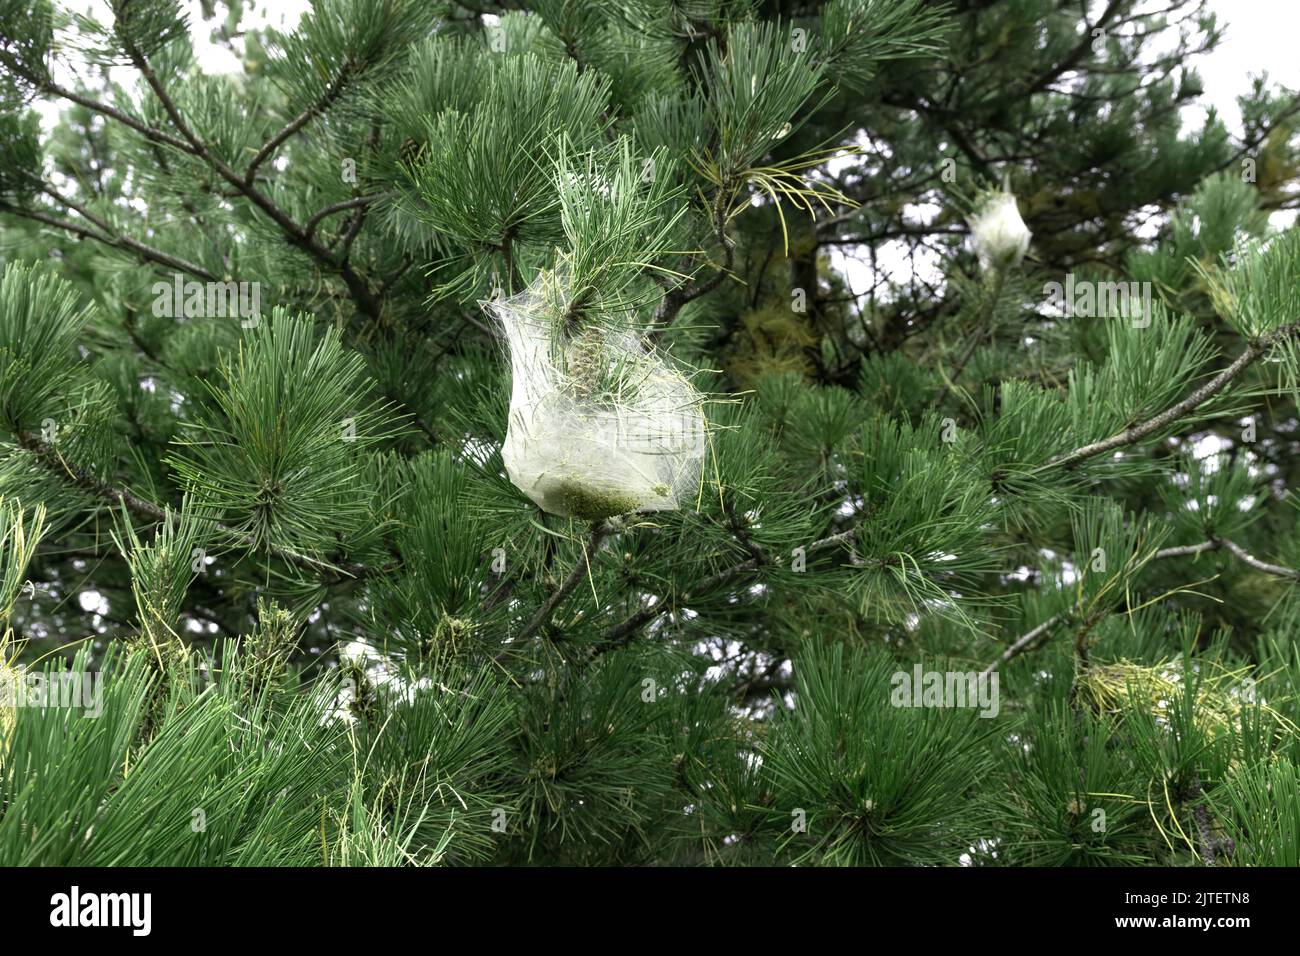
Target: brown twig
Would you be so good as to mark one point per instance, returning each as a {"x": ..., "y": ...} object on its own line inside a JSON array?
[
  {"x": 358, "y": 288},
  {"x": 358, "y": 201},
  {"x": 323, "y": 103}
]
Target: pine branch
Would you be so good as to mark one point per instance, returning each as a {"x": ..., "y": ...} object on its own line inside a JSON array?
[
  {"x": 624, "y": 631},
  {"x": 126, "y": 242},
  {"x": 1235, "y": 549},
  {"x": 360, "y": 201},
  {"x": 367, "y": 302},
  {"x": 1257, "y": 564},
  {"x": 357, "y": 286},
  {"x": 49, "y": 456},
  {"x": 1211, "y": 847},
  {"x": 48, "y": 86},
  {"x": 1021, "y": 644},
  {"x": 736, "y": 525},
  {"x": 1186, "y": 550},
  {"x": 558, "y": 596},
  {"x": 1071, "y": 59},
  {"x": 354, "y": 230},
  {"x": 326, "y": 99},
  {"x": 676, "y": 298},
  {"x": 982, "y": 319},
  {"x": 151, "y": 254},
  {"x": 115, "y": 240},
  {"x": 1157, "y": 423}
]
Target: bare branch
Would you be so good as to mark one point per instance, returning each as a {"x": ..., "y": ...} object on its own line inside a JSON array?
[
  {"x": 46, "y": 85},
  {"x": 1021, "y": 644},
  {"x": 116, "y": 240},
  {"x": 1214, "y": 544},
  {"x": 1024, "y": 643},
  {"x": 359, "y": 201}
]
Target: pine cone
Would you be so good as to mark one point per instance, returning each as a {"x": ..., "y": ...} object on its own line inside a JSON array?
[{"x": 411, "y": 152}]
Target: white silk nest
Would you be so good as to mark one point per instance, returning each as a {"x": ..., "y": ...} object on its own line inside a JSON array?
[
  {"x": 600, "y": 425},
  {"x": 998, "y": 233}
]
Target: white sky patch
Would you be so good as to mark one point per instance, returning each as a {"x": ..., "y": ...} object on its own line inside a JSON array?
[
  {"x": 1206, "y": 450},
  {"x": 92, "y": 601}
]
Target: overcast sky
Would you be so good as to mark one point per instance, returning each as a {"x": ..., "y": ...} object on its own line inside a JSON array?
[{"x": 1260, "y": 37}]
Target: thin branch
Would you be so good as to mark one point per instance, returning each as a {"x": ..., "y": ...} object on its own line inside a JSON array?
[
  {"x": 1253, "y": 352},
  {"x": 354, "y": 230},
  {"x": 392, "y": 280},
  {"x": 49, "y": 456},
  {"x": 580, "y": 568},
  {"x": 358, "y": 288},
  {"x": 1186, "y": 550},
  {"x": 982, "y": 324},
  {"x": 49, "y": 86},
  {"x": 1073, "y": 58},
  {"x": 112, "y": 237},
  {"x": 323, "y": 103},
  {"x": 1024, "y": 643},
  {"x": 310, "y": 229},
  {"x": 1021, "y": 644},
  {"x": 1214, "y": 544},
  {"x": 1257, "y": 564},
  {"x": 678, "y": 296},
  {"x": 118, "y": 241}
]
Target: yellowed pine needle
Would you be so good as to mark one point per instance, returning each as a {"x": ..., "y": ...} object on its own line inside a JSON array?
[
  {"x": 590, "y": 580},
  {"x": 1164, "y": 782},
  {"x": 1182, "y": 589},
  {"x": 1152, "y": 810}
]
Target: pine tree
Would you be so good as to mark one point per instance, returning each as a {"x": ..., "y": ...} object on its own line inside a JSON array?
[{"x": 450, "y": 438}]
